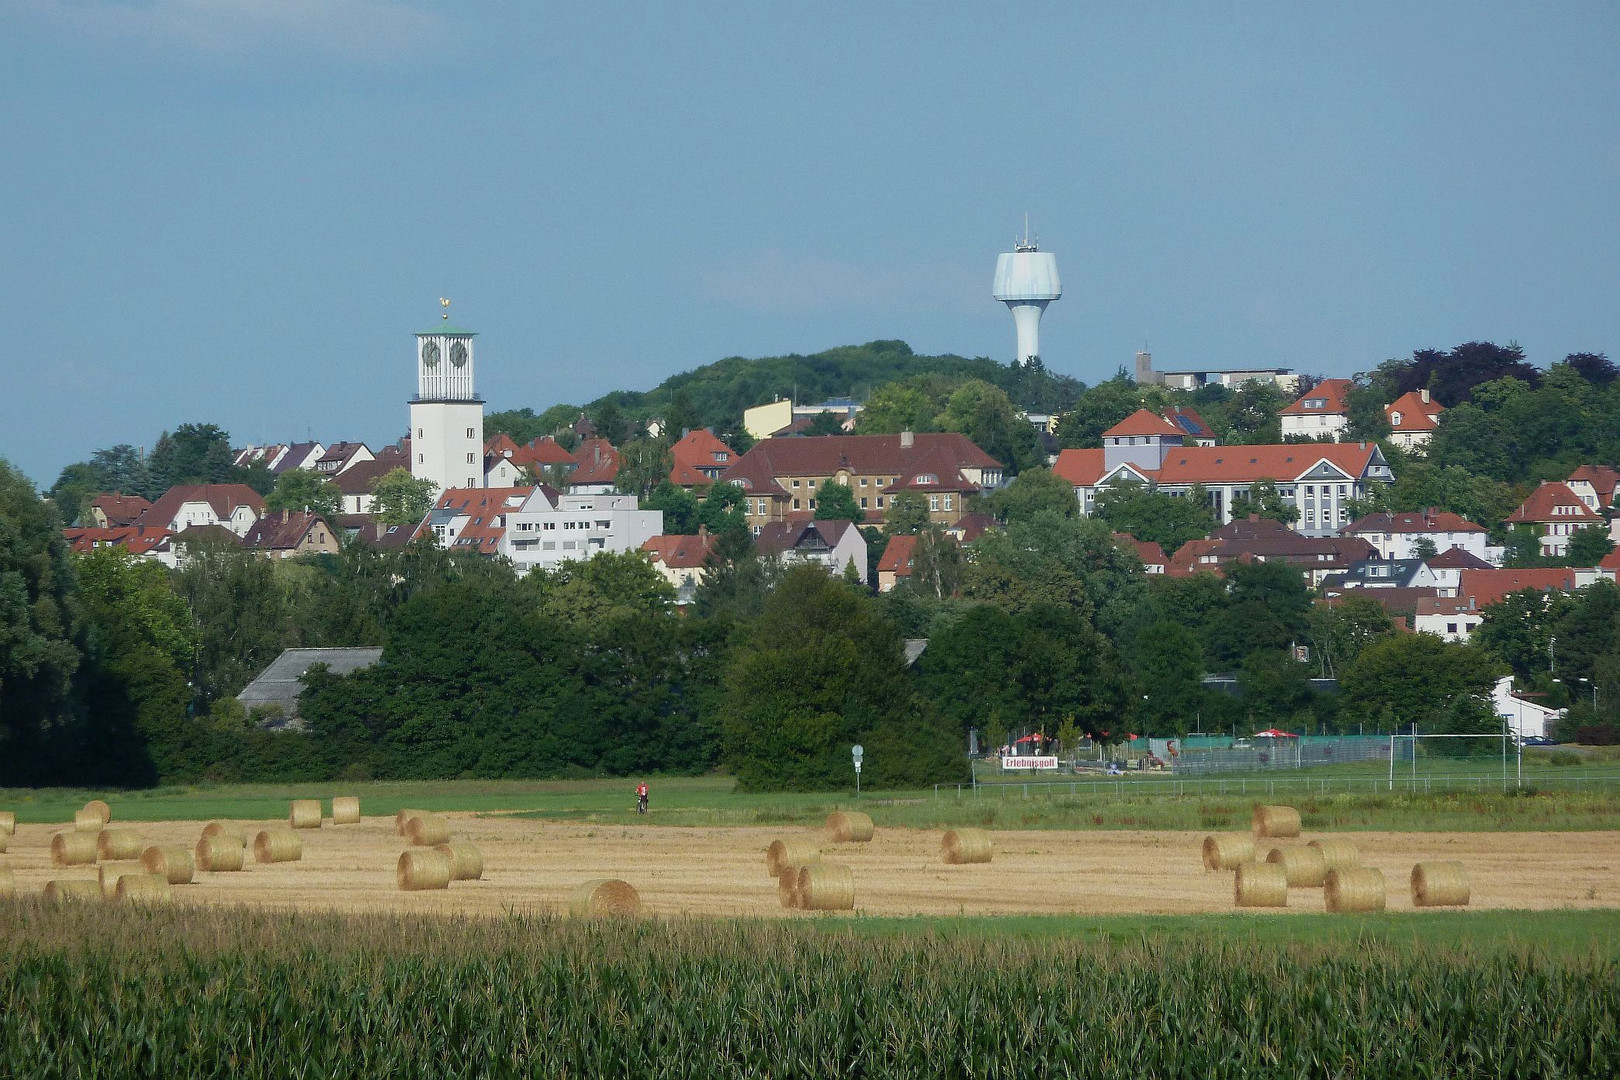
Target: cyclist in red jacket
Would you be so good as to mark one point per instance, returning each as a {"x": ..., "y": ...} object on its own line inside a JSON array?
[{"x": 641, "y": 798}]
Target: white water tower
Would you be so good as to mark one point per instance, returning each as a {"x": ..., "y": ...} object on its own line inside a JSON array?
[{"x": 1026, "y": 281}]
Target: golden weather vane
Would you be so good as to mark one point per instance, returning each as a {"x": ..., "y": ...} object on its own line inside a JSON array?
[{"x": 444, "y": 303}]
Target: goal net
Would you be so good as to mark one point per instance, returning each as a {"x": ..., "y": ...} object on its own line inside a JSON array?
[{"x": 1421, "y": 763}]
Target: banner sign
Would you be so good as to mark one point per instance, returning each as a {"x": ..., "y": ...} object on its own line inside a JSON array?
[{"x": 1029, "y": 763}]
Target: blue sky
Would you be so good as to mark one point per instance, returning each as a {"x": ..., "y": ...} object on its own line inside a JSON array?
[{"x": 237, "y": 210}]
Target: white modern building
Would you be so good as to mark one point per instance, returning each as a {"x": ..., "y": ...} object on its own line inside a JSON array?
[
  {"x": 1396, "y": 536},
  {"x": 1026, "y": 281},
  {"x": 549, "y": 528},
  {"x": 447, "y": 415}
]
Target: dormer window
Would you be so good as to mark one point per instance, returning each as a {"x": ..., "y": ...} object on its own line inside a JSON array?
[
  {"x": 721, "y": 455},
  {"x": 1316, "y": 403},
  {"x": 1394, "y": 419},
  {"x": 927, "y": 478}
]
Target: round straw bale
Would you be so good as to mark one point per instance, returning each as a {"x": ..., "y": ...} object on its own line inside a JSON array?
[
  {"x": 5, "y": 838},
  {"x": 1259, "y": 884},
  {"x": 219, "y": 854},
  {"x": 787, "y": 886},
  {"x": 403, "y": 816},
  {"x": 848, "y": 826},
  {"x": 143, "y": 889},
  {"x": 1354, "y": 888},
  {"x": 8, "y": 822},
  {"x": 277, "y": 845},
  {"x": 115, "y": 844},
  {"x": 8, "y": 882},
  {"x": 427, "y": 830},
  {"x": 100, "y": 809},
  {"x": 966, "y": 846},
  {"x": 227, "y": 830},
  {"x": 345, "y": 810},
  {"x": 73, "y": 849},
  {"x": 826, "y": 887},
  {"x": 1439, "y": 884},
  {"x": 466, "y": 861},
  {"x": 1337, "y": 854},
  {"x": 172, "y": 862},
  {"x": 785, "y": 853},
  {"x": 87, "y": 820},
  {"x": 605, "y": 896},
  {"x": 305, "y": 814},
  {"x": 423, "y": 870},
  {"x": 1224, "y": 851},
  {"x": 1276, "y": 821},
  {"x": 1305, "y": 867},
  {"x": 111, "y": 872},
  {"x": 73, "y": 889}
]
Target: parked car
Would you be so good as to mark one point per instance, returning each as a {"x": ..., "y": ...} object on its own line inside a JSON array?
[{"x": 1539, "y": 740}]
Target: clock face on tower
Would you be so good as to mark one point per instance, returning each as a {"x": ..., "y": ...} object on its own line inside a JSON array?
[
  {"x": 430, "y": 354},
  {"x": 458, "y": 353}
]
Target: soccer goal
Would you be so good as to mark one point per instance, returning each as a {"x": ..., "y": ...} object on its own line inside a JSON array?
[{"x": 1450, "y": 763}]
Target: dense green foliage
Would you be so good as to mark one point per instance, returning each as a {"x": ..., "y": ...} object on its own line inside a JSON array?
[
  {"x": 187, "y": 992},
  {"x": 191, "y": 454}
]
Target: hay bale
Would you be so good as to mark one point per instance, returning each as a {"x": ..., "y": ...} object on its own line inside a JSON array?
[
  {"x": 73, "y": 889},
  {"x": 227, "y": 830},
  {"x": 1224, "y": 851},
  {"x": 848, "y": 827},
  {"x": 1337, "y": 854},
  {"x": 305, "y": 814},
  {"x": 115, "y": 844},
  {"x": 102, "y": 811},
  {"x": 172, "y": 862},
  {"x": 277, "y": 845},
  {"x": 220, "y": 854},
  {"x": 1354, "y": 888},
  {"x": 826, "y": 887},
  {"x": 111, "y": 872},
  {"x": 605, "y": 896},
  {"x": 87, "y": 820},
  {"x": 466, "y": 861},
  {"x": 402, "y": 817},
  {"x": 423, "y": 870},
  {"x": 787, "y": 886},
  {"x": 790, "y": 853},
  {"x": 8, "y": 822},
  {"x": 8, "y": 882},
  {"x": 345, "y": 810},
  {"x": 5, "y": 838},
  {"x": 1276, "y": 821},
  {"x": 1259, "y": 884},
  {"x": 143, "y": 889},
  {"x": 73, "y": 849},
  {"x": 427, "y": 830},
  {"x": 1439, "y": 884},
  {"x": 1305, "y": 867},
  {"x": 966, "y": 846}
]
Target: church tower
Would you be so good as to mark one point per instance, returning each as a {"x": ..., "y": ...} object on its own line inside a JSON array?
[{"x": 447, "y": 415}]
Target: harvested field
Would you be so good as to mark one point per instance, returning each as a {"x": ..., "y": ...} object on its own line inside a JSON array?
[{"x": 535, "y": 865}]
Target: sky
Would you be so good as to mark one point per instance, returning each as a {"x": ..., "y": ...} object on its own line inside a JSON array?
[{"x": 238, "y": 211}]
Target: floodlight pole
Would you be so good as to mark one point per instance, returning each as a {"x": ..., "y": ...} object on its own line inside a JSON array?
[{"x": 1392, "y": 761}]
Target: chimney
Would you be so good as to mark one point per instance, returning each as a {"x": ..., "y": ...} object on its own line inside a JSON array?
[
  {"x": 703, "y": 532},
  {"x": 284, "y": 513},
  {"x": 1424, "y": 394},
  {"x": 907, "y": 440}
]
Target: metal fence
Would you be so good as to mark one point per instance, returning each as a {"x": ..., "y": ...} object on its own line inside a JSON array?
[
  {"x": 1297, "y": 753},
  {"x": 1136, "y": 787}
]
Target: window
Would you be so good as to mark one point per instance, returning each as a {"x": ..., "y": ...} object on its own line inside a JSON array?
[
  {"x": 795, "y": 483},
  {"x": 812, "y": 504},
  {"x": 880, "y": 502},
  {"x": 933, "y": 502},
  {"x": 419, "y": 459},
  {"x": 1394, "y": 419},
  {"x": 549, "y": 526},
  {"x": 812, "y": 483},
  {"x": 863, "y": 481},
  {"x": 568, "y": 545},
  {"x": 470, "y": 459},
  {"x": 795, "y": 501},
  {"x": 863, "y": 502},
  {"x": 418, "y": 433},
  {"x": 947, "y": 502},
  {"x": 1451, "y": 628},
  {"x": 470, "y": 434},
  {"x": 471, "y": 482}
]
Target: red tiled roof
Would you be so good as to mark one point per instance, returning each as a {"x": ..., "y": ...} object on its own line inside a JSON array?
[
  {"x": 500, "y": 445},
  {"x": 121, "y": 509},
  {"x": 596, "y": 462},
  {"x": 543, "y": 451},
  {"x": 1150, "y": 553},
  {"x": 1457, "y": 559},
  {"x": 1483, "y": 587},
  {"x": 1264, "y": 539},
  {"x": 859, "y": 454},
  {"x": 1082, "y": 468},
  {"x": 780, "y": 536},
  {"x": 1544, "y": 502},
  {"x": 283, "y": 531},
  {"x": 1188, "y": 421},
  {"x": 969, "y": 527},
  {"x": 138, "y": 539},
  {"x": 359, "y": 479},
  {"x": 1143, "y": 422},
  {"x": 680, "y": 552},
  {"x": 1603, "y": 479},
  {"x": 1424, "y": 521},
  {"x": 1284, "y": 462},
  {"x": 1611, "y": 561},
  {"x": 222, "y": 498},
  {"x": 485, "y": 509},
  {"x": 1333, "y": 393},
  {"x": 897, "y": 556},
  {"x": 933, "y": 470},
  {"x": 695, "y": 452},
  {"x": 1416, "y": 414}
]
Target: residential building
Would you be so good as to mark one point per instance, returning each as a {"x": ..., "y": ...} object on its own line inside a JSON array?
[
  {"x": 895, "y": 565},
  {"x": 1525, "y": 718},
  {"x": 1401, "y": 605},
  {"x": 546, "y": 528},
  {"x": 279, "y": 686},
  {"x": 284, "y": 535},
  {"x": 1448, "y": 617},
  {"x": 501, "y": 467},
  {"x": 268, "y": 456},
  {"x": 1152, "y": 555},
  {"x": 1386, "y": 574},
  {"x": 780, "y": 477},
  {"x": 1193, "y": 378},
  {"x": 187, "y": 506},
  {"x": 1482, "y": 588},
  {"x": 357, "y": 483},
  {"x": 149, "y": 542},
  {"x": 1447, "y": 567},
  {"x": 1412, "y": 419},
  {"x": 472, "y": 518},
  {"x": 681, "y": 559},
  {"x": 341, "y": 456},
  {"x": 596, "y": 468},
  {"x": 1258, "y": 539},
  {"x": 772, "y": 419},
  {"x": 1556, "y": 513},
  {"x": 112, "y": 510},
  {"x": 1595, "y": 484},
  {"x": 1395, "y": 536},
  {"x": 831, "y": 544},
  {"x": 1318, "y": 480},
  {"x": 1195, "y": 429},
  {"x": 542, "y": 453},
  {"x": 302, "y": 455},
  {"x": 1322, "y": 412},
  {"x": 699, "y": 459},
  {"x": 969, "y": 527}
]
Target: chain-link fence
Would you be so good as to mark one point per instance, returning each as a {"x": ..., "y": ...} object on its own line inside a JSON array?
[{"x": 1300, "y": 752}]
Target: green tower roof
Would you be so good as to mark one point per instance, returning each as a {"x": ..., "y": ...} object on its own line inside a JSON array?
[{"x": 446, "y": 328}]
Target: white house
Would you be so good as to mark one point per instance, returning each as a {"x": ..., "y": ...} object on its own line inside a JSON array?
[
  {"x": 1395, "y": 536},
  {"x": 1412, "y": 419},
  {"x": 548, "y": 527},
  {"x": 1323, "y": 411},
  {"x": 1556, "y": 513},
  {"x": 186, "y": 506},
  {"x": 1525, "y": 719},
  {"x": 1447, "y": 617},
  {"x": 832, "y": 544}
]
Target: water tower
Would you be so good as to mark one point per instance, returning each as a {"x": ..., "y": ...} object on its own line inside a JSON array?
[{"x": 1026, "y": 281}]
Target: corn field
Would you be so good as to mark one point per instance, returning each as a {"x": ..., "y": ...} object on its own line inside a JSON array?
[{"x": 91, "y": 991}]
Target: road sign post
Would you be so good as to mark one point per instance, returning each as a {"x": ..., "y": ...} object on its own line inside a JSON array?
[{"x": 857, "y": 752}]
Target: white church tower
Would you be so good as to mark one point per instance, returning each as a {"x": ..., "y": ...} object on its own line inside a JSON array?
[{"x": 447, "y": 415}]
